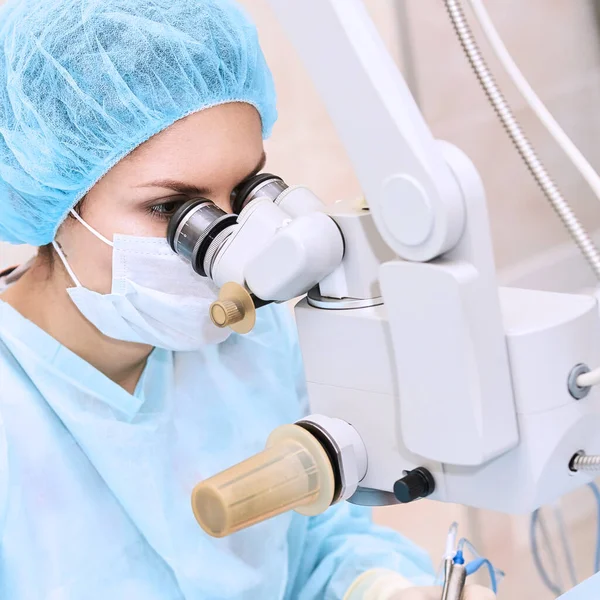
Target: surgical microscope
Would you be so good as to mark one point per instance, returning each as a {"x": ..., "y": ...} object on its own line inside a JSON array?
[{"x": 426, "y": 380}]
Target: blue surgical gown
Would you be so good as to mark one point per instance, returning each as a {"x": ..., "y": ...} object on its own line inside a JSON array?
[{"x": 95, "y": 483}]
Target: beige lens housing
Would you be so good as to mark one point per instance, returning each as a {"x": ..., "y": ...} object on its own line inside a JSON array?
[{"x": 292, "y": 473}]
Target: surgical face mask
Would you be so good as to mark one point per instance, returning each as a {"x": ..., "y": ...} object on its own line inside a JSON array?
[{"x": 156, "y": 297}]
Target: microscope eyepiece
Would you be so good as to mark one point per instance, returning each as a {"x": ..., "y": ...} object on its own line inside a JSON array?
[
  {"x": 193, "y": 229},
  {"x": 261, "y": 185}
]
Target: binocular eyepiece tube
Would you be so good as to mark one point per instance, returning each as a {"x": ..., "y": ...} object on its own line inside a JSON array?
[{"x": 199, "y": 228}]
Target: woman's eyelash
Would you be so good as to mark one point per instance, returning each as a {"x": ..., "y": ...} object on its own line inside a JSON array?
[{"x": 164, "y": 210}]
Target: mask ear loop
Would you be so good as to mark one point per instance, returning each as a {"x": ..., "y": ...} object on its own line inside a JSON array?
[
  {"x": 63, "y": 259},
  {"x": 92, "y": 230},
  {"x": 62, "y": 256}
]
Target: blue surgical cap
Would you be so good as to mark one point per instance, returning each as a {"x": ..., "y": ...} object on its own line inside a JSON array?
[{"x": 84, "y": 82}]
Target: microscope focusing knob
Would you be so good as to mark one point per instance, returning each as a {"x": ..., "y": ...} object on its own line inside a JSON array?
[
  {"x": 226, "y": 313},
  {"x": 415, "y": 484},
  {"x": 234, "y": 309}
]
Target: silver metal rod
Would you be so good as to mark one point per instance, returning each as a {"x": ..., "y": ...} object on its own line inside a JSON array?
[
  {"x": 586, "y": 463},
  {"x": 458, "y": 578},
  {"x": 520, "y": 140}
]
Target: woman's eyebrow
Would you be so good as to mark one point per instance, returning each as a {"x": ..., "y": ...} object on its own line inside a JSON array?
[
  {"x": 177, "y": 186},
  {"x": 181, "y": 187}
]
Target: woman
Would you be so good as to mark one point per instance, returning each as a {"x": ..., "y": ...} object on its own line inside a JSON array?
[{"x": 117, "y": 394}]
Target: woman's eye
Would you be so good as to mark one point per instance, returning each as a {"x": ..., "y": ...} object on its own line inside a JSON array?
[{"x": 165, "y": 210}]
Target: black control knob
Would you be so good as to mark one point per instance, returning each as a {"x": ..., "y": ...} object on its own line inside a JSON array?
[{"x": 414, "y": 485}]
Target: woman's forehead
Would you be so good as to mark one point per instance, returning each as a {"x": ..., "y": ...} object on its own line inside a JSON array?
[
  {"x": 221, "y": 142},
  {"x": 239, "y": 122}
]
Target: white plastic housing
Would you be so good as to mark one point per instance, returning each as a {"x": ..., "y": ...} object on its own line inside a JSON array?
[
  {"x": 296, "y": 258},
  {"x": 446, "y": 325},
  {"x": 547, "y": 334},
  {"x": 449, "y": 380},
  {"x": 298, "y": 200},
  {"x": 257, "y": 225},
  {"x": 365, "y": 251},
  {"x": 349, "y": 363},
  {"x": 351, "y": 452},
  {"x": 277, "y": 257},
  {"x": 348, "y": 359}
]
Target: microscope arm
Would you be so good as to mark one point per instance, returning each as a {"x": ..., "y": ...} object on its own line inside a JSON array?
[{"x": 426, "y": 201}]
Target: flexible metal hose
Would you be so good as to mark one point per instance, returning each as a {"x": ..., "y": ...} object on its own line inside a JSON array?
[
  {"x": 586, "y": 463},
  {"x": 517, "y": 135}
]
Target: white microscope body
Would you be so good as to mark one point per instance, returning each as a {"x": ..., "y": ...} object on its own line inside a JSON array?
[
  {"x": 424, "y": 377},
  {"x": 447, "y": 371}
]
